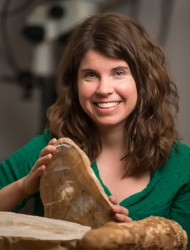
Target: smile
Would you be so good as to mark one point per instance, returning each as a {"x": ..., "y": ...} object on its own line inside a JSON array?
[{"x": 107, "y": 104}]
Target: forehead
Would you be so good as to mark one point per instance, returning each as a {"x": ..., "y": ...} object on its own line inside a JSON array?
[{"x": 96, "y": 59}]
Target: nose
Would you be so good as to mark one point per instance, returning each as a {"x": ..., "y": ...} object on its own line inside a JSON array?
[{"x": 104, "y": 87}]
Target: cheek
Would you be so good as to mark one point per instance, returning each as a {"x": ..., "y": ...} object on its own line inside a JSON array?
[
  {"x": 85, "y": 91},
  {"x": 83, "y": 95},
  {"x": 129, "y": 91}
]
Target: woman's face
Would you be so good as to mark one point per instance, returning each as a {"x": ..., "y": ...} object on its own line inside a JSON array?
[{"x": 106, "y": 88}]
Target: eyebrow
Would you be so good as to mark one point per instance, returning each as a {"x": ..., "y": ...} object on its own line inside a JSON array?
[
  {"x": 87, "y": 69},
  {"x": 115, "y": 68},
  {"x": 121, "y": 67}
]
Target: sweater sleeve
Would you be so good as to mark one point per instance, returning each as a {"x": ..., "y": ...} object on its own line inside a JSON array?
[
  {"x": 180, "y": 207},
  {"x": 180, "y": 210},
  {"x": 19, "y": 164}
]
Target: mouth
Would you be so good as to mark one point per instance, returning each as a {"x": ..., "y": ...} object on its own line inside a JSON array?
[{"x": 106, "y": 105}]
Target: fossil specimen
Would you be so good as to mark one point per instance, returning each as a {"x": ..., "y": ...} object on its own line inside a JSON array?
[
  {"x": 70, "y": 190},
  {"x": 21, "y": 232},
  {"x": 27, "y": 232},
  {"x": 151, "y": 233}
]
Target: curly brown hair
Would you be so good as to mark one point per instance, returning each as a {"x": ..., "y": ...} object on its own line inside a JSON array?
[{"x": 150, "y": 129}]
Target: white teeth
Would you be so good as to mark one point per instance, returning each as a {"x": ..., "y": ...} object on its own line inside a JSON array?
[{"x": 107, "y": 104}]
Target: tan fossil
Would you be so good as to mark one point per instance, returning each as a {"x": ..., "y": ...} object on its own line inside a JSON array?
[
  {"x": 70, "y": 190},
  {"x": 27, "y": 232},
  {"x": 151, "y": 233}
]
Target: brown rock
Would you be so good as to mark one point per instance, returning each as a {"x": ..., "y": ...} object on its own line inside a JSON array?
[
  {"x": 70, "y": 190},
  {"x": 26, "y": 232},
  {"x": 152, "y": 233}
]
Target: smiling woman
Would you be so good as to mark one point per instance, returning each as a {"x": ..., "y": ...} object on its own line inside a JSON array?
[
  {"x": 118, "y": 104},
  {"x": 107, "y": 90}
]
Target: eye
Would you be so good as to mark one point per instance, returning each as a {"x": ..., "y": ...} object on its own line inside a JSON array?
[
  {"x": 89, "y": 75},
  {"x": 119, "y": 72}
]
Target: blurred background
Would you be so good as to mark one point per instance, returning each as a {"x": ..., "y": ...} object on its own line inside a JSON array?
[{"x": 32, "y": 36}]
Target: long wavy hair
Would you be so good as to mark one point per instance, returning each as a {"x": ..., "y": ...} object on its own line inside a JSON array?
[{"x": 150, "y": 129}]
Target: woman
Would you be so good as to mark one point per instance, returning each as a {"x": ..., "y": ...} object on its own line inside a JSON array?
[{"x": 118, "y": 103}]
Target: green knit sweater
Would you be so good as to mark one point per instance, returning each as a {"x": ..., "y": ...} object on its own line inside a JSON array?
[{"x": 166, "y": 195}]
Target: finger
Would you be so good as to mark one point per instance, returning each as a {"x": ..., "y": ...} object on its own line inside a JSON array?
[
  {"x": 52, "y": 141},
  {"x": 120, "y": 210},
  {"x": 50, "y": 149},
  {"x": 39, "y": 171},
  {"x": 113, "y": 200},
  {"x": 42, "y": 161},
  {"x": 122, "y": 218}
]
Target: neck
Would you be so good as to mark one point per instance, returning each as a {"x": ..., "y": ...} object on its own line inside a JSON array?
[
  {"x": 112, "y": 138},
  {"x": 113, "y": 149}
]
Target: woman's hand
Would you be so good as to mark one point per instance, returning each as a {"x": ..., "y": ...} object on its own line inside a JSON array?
[
  {"x": 121, "y": 213},
  {"x": 31, "y": 181},
  {"x": 13, "y": 193}
]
